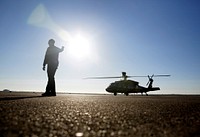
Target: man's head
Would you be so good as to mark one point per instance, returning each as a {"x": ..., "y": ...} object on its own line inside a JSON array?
[{"x": 51, "y": 42}]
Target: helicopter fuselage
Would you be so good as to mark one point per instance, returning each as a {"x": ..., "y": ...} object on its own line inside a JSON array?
[
  {"x": 125, "y": 86},
  {"x": 128, "y": 86}
]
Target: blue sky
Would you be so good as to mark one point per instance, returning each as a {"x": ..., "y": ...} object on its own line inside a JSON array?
[{"x": 141, "y": 37}]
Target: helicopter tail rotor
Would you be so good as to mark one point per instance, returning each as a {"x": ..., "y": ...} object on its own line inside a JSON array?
[{"x": 150, "y": 82}]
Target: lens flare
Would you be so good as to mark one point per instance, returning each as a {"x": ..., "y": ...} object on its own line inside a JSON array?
[
  {"x": 41, "y": 18},
  {"x": 78, "y": 45}
]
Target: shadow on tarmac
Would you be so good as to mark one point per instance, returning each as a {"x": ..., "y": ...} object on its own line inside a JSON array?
[{"x": 25, "y": 97}]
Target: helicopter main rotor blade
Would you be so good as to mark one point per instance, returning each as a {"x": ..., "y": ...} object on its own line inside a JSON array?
[
  {"x": 126, "y": 77},
  {"x": 161, "y": 75},
  {"x": 102, "y": 77},
  {"x": 151, "y": 76},
  {"x": 135, "y": 76}
]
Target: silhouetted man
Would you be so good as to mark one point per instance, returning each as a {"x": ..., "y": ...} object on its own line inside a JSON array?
[{"x": 51, "y": 59}]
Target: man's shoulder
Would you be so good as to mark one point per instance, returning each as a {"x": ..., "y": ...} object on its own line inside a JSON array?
[{"x": 54, "y": 47}]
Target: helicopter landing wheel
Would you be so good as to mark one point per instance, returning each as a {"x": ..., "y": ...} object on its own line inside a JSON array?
[{"x": 126, "y": 94}]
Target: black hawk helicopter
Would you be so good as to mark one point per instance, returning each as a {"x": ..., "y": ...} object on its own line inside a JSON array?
[{"x": 125, "y": 86}]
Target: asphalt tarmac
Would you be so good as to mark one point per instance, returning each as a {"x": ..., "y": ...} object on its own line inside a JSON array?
[{"x": 78, "y": 115}]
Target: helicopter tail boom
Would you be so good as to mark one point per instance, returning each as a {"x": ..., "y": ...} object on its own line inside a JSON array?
[{"x": 153, "y": 89}]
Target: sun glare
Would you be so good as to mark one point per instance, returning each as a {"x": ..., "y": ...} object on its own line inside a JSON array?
[{"x": 79, "y": 46}]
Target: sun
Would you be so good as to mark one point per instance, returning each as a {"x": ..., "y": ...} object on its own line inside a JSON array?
[{"x": 79, "y": 46}]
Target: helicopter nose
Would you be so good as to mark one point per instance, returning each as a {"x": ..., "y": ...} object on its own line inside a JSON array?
[{"x": 108, "y": 89}]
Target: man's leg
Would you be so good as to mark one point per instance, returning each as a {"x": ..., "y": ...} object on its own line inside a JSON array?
[
  {"x": 51, "y": 74},
  {"x": 53, "y": 88},
  {"x": 48, "y": 87}
]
